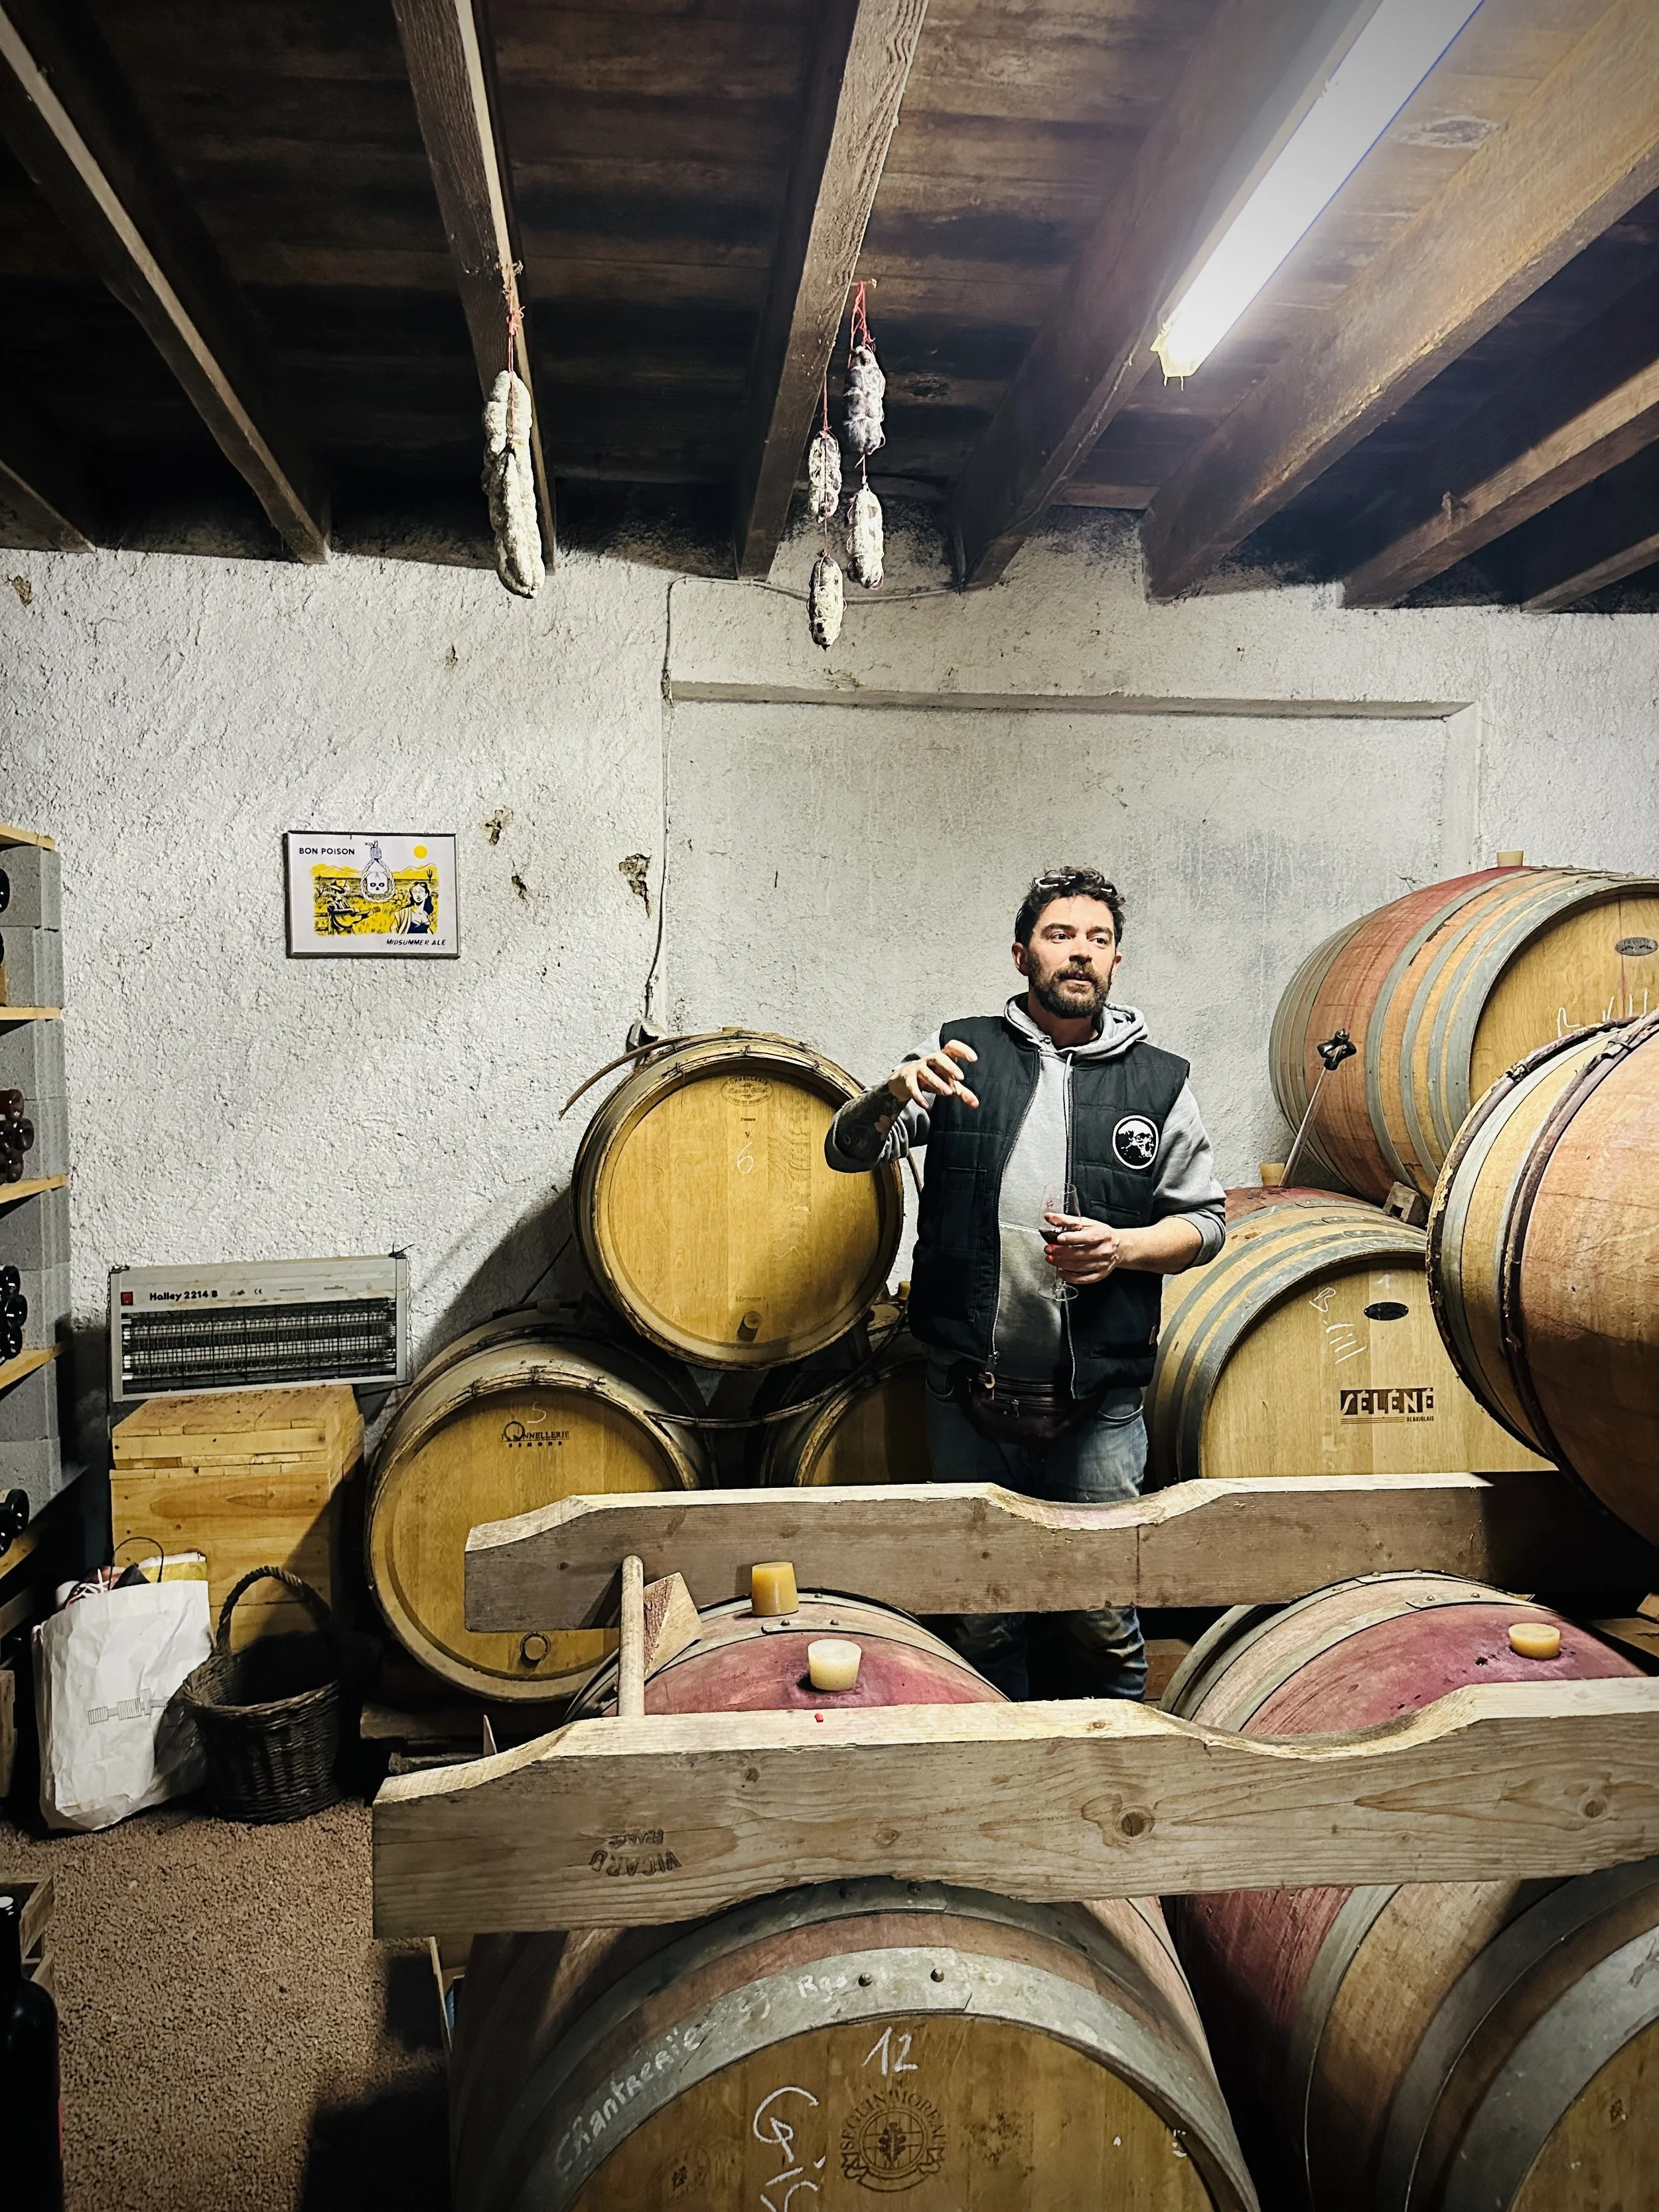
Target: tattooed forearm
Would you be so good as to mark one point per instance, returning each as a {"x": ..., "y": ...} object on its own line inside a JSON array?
[{"x": 861, "y": 1127}]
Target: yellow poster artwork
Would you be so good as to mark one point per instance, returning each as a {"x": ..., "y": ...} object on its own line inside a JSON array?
[{"x": 357, "y": 892}]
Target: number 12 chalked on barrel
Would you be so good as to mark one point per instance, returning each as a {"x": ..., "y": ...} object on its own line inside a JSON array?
[
  {"x": 1441, "y": 991},
  {"x": 705, "y": 1207}
]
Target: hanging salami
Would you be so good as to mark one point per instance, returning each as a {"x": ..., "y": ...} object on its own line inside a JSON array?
[{"x": 823, "y": 602}]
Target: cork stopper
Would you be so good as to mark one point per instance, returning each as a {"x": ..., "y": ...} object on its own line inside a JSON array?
[
  {"x": 1536, "y": 1639},
  {"x": 772, "y": 1587}
]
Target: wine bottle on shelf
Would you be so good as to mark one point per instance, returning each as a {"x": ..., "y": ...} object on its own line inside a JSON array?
[{"x": 31, "y": 2113}]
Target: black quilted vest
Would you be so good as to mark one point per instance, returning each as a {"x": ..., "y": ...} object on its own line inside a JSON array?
[{"x": 954, "y": 1277}]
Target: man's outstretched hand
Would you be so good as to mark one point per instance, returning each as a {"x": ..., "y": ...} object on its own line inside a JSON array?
[{"x": 919, "y": 1082}]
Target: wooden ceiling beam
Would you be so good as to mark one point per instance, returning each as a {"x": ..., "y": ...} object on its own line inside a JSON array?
[
  {"x": 44, "y": 505},
  {"x": 1577, "y": 154},
  {"x": 1557, "y": 425},
  {"x": 859, "y": 66},
  {"x": 69, "y": 117},
  {"x": 1250, "y": 80},
  {"x": 1599, "y": 536},
  {"x": 450, "y": 56}
]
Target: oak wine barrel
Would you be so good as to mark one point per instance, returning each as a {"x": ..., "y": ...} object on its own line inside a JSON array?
[
  {"x": 1441, "y": 991},
  {"x": 1425, "y": 2047},
  {"x": 499, "y": 1425},
  {"x": 706, "y": 1210},
  {"x": 863, "y": 1416},
  {"x": 899, "y": 2038},
  {"x": 1308, "y": 1346},
  {"x": 1544, "y": 1259}
]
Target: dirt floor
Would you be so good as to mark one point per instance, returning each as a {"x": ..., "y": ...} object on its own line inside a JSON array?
[{"x": 232, "y": 2033}]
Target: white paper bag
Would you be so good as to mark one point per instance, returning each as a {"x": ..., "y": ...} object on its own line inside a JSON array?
[{"x": 113, "y": 1735}]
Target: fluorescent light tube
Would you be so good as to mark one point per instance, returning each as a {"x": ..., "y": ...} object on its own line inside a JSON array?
[{"x": 1377, "y": 75}]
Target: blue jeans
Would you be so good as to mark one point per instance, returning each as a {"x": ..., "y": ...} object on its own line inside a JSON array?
[{"x": 1097, "y": 1464}]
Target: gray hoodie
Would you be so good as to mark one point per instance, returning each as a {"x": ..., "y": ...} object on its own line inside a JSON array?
[{"x": 1029, "y": 1339}]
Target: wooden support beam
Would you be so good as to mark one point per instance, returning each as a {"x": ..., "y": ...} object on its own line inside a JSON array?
[
  {"x": 1562, "y": 422},
  {"x": 860, "y": 62},
  {"x": 972, "y": 1548},
  {"x": 1598, "y": 536},
  {"x": 1078, "y": 493},
  {"x": 35, "y": 520},
  {"x": 1250, "y": 80},
  {"x": 1574, "y": 157},
  {"x": 44, "y": 504},
  {"x": 450, "y": 56},
  {"x": 611, "y": 1821},
  {"x": 71, "y": 119}
]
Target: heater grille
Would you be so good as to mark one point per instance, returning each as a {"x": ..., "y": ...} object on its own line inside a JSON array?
[{"x": 180, "y": 1329}]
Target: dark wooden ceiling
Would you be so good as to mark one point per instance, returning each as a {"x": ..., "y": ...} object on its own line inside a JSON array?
[{"x": 688, "y": 185}]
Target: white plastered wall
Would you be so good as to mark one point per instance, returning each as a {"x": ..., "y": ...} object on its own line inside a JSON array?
[{"x": 1252, "y": 766}]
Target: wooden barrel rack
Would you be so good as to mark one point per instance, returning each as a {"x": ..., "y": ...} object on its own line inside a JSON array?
[
  {"x": 1425, "y": 2047},
  {"x": 895, "y": 2038},
  {"x": 1308, "y": 1347},
  {"x": 1544, "y": 1259},
  {"x": 1441, "y": 991},
  {"x": 706, "y": 1210}
]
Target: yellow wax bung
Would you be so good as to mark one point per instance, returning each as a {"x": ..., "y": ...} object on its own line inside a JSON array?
[
  {"x": 833, "y": 1662},
  {"x": 1536, "y": 1639},
  {"x": 772, "y": 1587}
]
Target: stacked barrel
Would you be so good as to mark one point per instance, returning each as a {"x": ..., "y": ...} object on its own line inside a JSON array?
[
  {"x": 514, "y": 1416},
  {"x": 1544, "y": 1251},
  {"x": 724, "y": 1246},
  {"x": 896, "y": 2036},
  {"x": 1507, "y": 1071},
  {"x": 1425, "y": 2047},
  {"x": 1308, "y": 1347},
  {"x": 1434, "y": 2048},
  {"x": 1443, "y": 990}
]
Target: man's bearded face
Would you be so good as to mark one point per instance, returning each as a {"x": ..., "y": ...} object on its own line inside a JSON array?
[{"x": 1072, "y": 957}]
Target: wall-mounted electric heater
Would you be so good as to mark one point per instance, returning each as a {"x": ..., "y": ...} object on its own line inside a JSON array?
[{"x": 238, "y": 1326}]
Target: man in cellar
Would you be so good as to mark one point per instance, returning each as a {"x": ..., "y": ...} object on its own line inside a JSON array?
[{"x": 1068, "y": 1172}]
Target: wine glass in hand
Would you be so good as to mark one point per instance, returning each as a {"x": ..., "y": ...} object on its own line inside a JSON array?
[{"x": 1058, "y": 1199}]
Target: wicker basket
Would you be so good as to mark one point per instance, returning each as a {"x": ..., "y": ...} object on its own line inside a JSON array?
[{"x": 269, "y": 1716}]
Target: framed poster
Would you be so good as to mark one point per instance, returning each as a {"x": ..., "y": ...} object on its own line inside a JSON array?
[{"x": 382, "y": 894}]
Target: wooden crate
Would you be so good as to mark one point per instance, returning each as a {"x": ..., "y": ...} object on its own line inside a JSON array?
[{"x": 249, "y": 1477}]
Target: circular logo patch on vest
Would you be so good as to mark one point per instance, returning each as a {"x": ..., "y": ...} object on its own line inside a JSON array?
[{"x": 1135, "y": 1141}]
